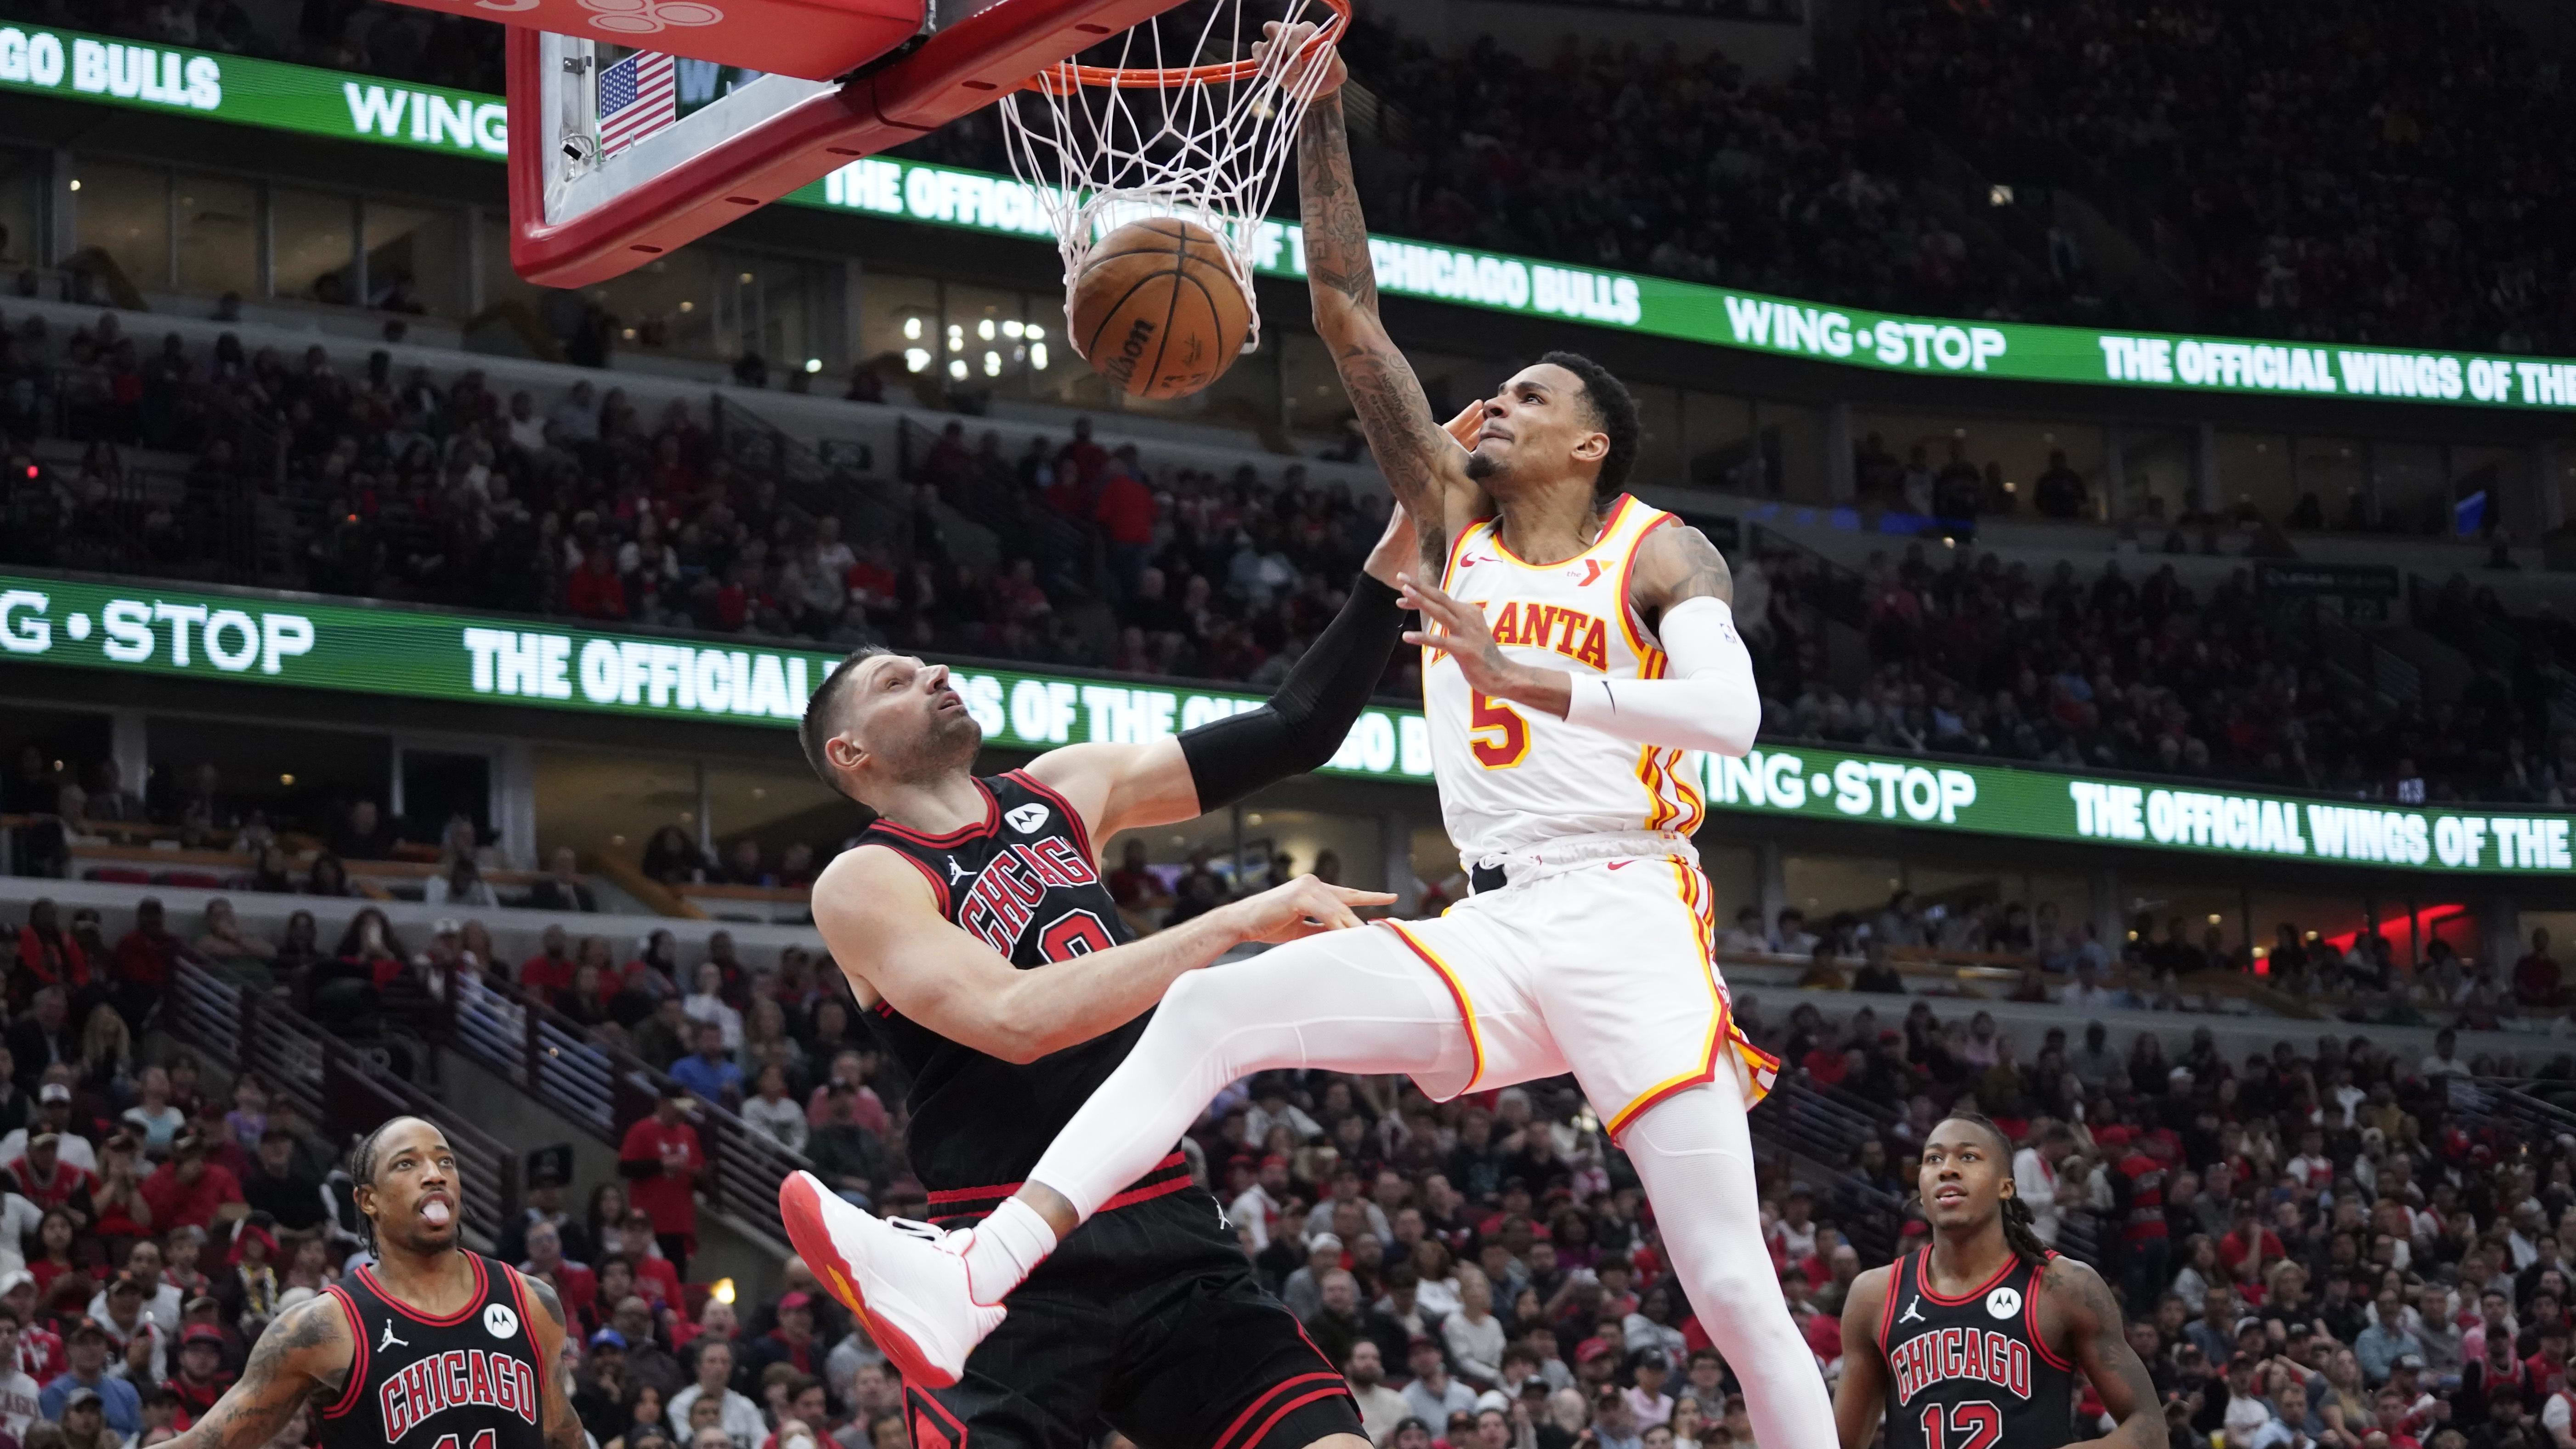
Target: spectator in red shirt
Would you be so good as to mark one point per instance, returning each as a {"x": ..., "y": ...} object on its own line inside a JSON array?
[
  {"x": 201, "y": 1378},
  {"x": 190, "y": 1191},
  {"x": 145, "y": 957},
  {"x": 1077, "y": 472},
  {"x": 550, "y": 970},
  {"x": 660, "y": 1160},
  {"x": 653, "y": 1275},
  {"x": 575, "y": 1284},
  {"x": 2242, "y": 1239},
  {"x": 42, "y": 1176},
  {"x": 2147, "y": 1168},
  {"x": 595, "y": 591},
  {"x": 1125, "y": 512},
  {"x": 2536, "y": 978},
  {"x": 47, "y": 954}
]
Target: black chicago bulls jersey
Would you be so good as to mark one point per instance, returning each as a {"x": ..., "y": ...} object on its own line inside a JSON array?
[
  {"x": 1972, "y": 1372},
  {"x": 1023, "y": 881},
  {"x": 468, "y": 1381}
]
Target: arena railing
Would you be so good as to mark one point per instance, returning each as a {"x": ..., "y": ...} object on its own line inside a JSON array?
[
  {"x": 604, "y": 1089},
  {"x": 340, "y": 1089}
]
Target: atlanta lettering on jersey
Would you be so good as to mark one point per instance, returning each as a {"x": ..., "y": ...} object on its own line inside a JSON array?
[
  {"x": 1960, "y": 1353},
  {"x": 1005, "y": 897},
  {"x": 1570, "y": 632},
  {"x": 453, "y": 1380}
]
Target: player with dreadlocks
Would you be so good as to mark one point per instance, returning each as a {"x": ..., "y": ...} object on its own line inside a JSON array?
[
  {"x": 432, "y": 1344},
  {"x": 1974, "y": 1342}
]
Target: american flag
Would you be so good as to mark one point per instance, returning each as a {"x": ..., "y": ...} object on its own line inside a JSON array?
[{"x": 637, "y": 96}]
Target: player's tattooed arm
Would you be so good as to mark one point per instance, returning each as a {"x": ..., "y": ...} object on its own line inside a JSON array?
[
  {"x": 562, "y": 1427},
  {"x": 305, "y": 1350},
  {"x": 1422, "y": 460},
  {"x": 2089, "y": 1327},
  {"x": 1860, "y": 1399},
  {"x": 1677, "y": 562}
]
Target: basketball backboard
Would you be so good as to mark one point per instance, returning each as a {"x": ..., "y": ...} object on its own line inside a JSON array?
[{"x": 609, "y": 168}]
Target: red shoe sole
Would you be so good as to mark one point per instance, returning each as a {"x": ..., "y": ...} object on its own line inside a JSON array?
[{"x": 801, "y": 1210}]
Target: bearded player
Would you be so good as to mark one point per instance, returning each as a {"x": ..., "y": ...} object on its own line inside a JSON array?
[
  {"x": 972, "y": 919},
  {"x": 1974, "y": 1342},
  {"x": 1579, "y": 650},
  {"x": 431, "y": 1345}
]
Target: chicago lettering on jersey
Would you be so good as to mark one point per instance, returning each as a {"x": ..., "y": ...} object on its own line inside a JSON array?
[
  {"x": 1570, "y": 632},
  {"x": 456, "y": 1379},
  {"x": 1960, "y": 1353},
  {"x": 1005, "y": 896}
]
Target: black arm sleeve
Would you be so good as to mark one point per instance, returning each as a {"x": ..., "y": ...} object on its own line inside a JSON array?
[{"x": 1304, "y": 723}]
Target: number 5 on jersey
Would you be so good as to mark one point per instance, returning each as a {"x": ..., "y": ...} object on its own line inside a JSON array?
[{"x": 1510, "y": 738}]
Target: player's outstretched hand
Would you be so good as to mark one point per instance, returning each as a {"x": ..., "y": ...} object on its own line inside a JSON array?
[
  {"x": 1459, "y": 631},
  {"x": 1294, "y": 43},
  {"x": 1304, "y": 907}
]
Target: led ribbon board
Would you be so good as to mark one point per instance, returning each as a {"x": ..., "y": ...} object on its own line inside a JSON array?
[
  {"x": 394, "y": 650},
  {"x": 372, "y": 110}
]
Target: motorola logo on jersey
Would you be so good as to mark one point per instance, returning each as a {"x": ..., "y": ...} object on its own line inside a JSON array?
[
  {"x": 1005, "y": 896},
  {"x": 457, "y": 1379},
  {"x": 1937, "y": 1354},
  {"x": 1026, "y": 818}
]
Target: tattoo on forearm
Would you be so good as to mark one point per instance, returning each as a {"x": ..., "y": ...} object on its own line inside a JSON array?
[
  {"x": 254, "y": 1409},
  {"x": 1337, "y": 253},
  {"x": 1393, "y": 413}
]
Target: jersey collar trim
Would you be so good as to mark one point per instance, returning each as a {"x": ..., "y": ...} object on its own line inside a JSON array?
[
  {"x": 482, "y": 1289},
  {"x": 992, "y": 820},
  {"x": 1609, "y": 526},
  {"x": 1923, "y": 1280}
]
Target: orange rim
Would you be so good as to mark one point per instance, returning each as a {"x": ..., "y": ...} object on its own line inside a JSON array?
[{"x": 1060, "y": 79}]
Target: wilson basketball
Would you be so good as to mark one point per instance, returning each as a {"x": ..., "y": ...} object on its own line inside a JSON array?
[{"x": 1155, "y": 310}]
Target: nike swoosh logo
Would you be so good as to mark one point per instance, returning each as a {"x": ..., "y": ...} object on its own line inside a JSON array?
[{"x": 1621, "y": 864}]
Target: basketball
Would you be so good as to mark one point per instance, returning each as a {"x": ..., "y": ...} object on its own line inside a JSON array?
[{"x": 1155, "y": 310}]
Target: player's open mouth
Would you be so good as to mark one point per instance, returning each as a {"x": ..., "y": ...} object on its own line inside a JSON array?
[
  {"x": 949, "y": 700},
  {"x": 1950, "y": 1195},
  {"x": 436, "y": 1210}
]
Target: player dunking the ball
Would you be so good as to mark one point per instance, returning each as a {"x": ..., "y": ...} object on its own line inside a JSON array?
[
  {"x": 1579, "y": 650},
  {"x": 432, "y": 1344},
  {"x": 1974, "y": 1342}
]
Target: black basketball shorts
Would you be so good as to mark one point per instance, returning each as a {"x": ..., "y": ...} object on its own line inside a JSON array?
[{"x": 1148, "y": 1320}]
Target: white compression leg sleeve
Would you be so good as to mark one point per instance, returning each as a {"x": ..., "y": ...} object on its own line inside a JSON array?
[
  {"x": 1351, "y": 1001},
  {"x": 1695, "y": 1156}
]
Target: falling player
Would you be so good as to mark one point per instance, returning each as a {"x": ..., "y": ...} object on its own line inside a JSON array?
[
  {"x": 434, "y": 1343},
  {"x": 1150, "y": 1317},
  {"x": 1974, "y": 1342},
  {"x": 1579, "y": 650}
]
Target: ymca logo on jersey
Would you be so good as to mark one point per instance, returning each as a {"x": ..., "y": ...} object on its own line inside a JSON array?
[
  {"x": 460, "y": 1378},
  {"x": 1982, "y": 1355}
]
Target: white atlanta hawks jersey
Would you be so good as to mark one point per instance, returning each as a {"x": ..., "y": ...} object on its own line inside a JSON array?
[{"x": 1512, "y": 777}]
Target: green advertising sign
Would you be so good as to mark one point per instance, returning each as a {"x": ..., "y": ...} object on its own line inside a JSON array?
[
  {"x": 2048, "y": 805},
  {"x": 367, "y": 109},
  {"x": 418, "y": 654},
  {"x": 421, "y": 654}
]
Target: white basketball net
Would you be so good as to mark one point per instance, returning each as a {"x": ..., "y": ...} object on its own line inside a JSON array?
[{"x": 1099, "y": 156}]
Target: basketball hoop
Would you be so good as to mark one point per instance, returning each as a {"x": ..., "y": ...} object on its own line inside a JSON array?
[{"x": 1176, "y": 127}]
